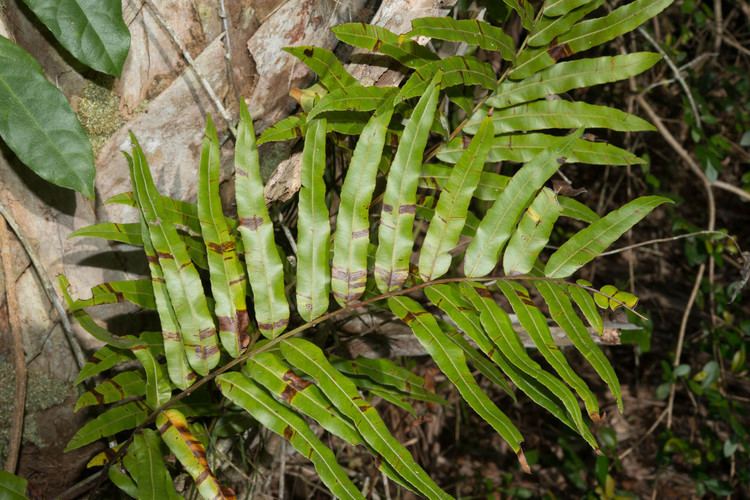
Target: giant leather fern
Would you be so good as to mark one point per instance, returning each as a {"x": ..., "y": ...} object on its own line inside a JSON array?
[{"x": 244, "y": 332}]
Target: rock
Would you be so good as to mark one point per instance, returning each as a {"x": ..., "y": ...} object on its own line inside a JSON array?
[{"x": 296, "y": 22}]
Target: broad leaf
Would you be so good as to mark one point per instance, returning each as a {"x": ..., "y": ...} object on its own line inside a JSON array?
[
  {"x": 93, "y": 31},
  {"x": 36, "y": 122},
  {"x": 12, "y": 487}
]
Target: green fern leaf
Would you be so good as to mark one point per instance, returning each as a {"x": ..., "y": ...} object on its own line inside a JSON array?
[
  {"x": 399, "y": 201},
  {"x": 351, "y": 240},
  {"x": 566, "y": 76},
  {"x": 178, "y": 367},
  {"x": 291, "y": 127},
  {"x": 500, "y": 330},
  {"x": 544, "y": 114},
  {"x": 344, "y": 395},
  {"x": 264, "y": 268},
  {"x": 386, "y": 372},
  {"x": 523, "y": 147},
  {"x": 497, "y": 226},
  {"x": 138, "y": 292},
  {"x": 353, "y": 100},
  {"x": 99, "y": 362},
  {"x": 562, "y": 311},
  {"x": 313, "y": 227},
  {"x": 451, "y": 300},
  {"x": 547, "y": 29},
  {"x": 330, "y": 71},
  {"x": 109, "y": 423},
  {"x": 588, "y": 34},
  {"x": 455, "y": 70},
  {"x": 555, "y": 8},
  {"x": 157, "y": 389},
  {"x": 587, "y": 306},
  {"x": 469, "y": 31},
  {"x": 190, "y": 452},
  {"x": 284, "y": 422},
  {"x": 146, "y": 466},
  {"x": 228, "y": 284},
  {"x": 453, "y": 205},
  {"x": 532, "y": 233},
  {"x": 182, "y": 281},
  {"x": 485, "y": 366},
  {"x": 123, "y": 385},
  {"x": 271, "y": 371},
  {"x": 379, "y": 39},
  {"x": 591, "y": 241},
  {"x": 451, "y": 361},
  {"x": 535, "y": 324}
]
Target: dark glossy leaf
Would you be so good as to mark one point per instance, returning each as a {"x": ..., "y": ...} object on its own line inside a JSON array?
[
  {"x": 36, "y": 122},
  {"x": 93, "y": 31}
]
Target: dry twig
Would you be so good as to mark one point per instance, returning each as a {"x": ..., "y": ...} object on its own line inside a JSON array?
[
  {"x": 191, "y": 62},
  {"x": 19, "y": 361},
  {"x": 711, "y": 226},
  {"x": 47, "y": 285}
]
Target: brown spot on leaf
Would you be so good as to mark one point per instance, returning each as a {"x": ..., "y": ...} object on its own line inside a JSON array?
[
  {"x": 558, "y": 52},
  {"x": 252, "y": 223},
  {"x": 288, "y": 433}
]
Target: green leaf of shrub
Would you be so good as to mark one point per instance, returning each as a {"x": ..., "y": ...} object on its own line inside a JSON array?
[
  {"x": 36, "y": 122},
  {"x": 93, "y": 31}
]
